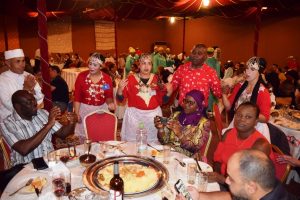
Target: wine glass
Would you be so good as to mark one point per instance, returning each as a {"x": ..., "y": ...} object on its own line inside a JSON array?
[
  {"x": 58, "y": 185},
  {"x": 64, "y": 156}
]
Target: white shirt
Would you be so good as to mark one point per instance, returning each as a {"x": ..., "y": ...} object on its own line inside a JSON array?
[
  {"x": 11, "y": 82},
  {"x": 14, "y": 129}
]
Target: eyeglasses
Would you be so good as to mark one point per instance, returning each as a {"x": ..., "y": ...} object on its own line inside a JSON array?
[{"x": 186, "y": 101}]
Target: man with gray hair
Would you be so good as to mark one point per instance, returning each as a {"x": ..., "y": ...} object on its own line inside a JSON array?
[
  {"x": 251, "y": 175},
  {"x": 16, "y": 79}
]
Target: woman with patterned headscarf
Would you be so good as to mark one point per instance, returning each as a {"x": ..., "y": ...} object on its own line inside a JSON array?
[
  {"x": 251, "y": 90},
  {"x": 188, "y": 129}
]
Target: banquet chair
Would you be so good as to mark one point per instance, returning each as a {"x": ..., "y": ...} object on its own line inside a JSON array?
[
  {"x": 281, "y": 170},
  {"x": 6, "y": 153},
  {"x": 100, "y": 125},
  {"x": 218, "y": 120},
  {"x": 204, "y": 149}
]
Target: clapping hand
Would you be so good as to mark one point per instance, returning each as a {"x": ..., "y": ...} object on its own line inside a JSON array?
[
  {"x": 54, "y": 114},
  {"x": 121, "y": 86},
  {"x": 29, "y": 83}
]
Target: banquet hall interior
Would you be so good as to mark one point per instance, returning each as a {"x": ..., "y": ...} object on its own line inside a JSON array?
[{"x": 55, "y": 31}]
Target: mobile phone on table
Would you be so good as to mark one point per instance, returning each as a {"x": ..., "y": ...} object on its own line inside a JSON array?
[
  {"x": 39, "y": 163},
  {"x": 181, "y": 189}
]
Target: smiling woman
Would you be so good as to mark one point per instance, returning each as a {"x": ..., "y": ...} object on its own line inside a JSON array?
[{"x": 187, "y": 131}]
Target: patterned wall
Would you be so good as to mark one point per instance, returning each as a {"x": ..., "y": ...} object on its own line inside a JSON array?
[
  {"x": 105, "y": 35},
  {"x": 60, "y": 35}
]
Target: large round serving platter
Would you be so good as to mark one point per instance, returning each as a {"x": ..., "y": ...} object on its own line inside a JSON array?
[{"x": 90, "y": 175}]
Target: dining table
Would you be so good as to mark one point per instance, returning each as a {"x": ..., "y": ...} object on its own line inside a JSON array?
[
  {"x": 288, "y": 121},
  {"x": 70, "y": 75},
  {"x": 118, "y": 148}
]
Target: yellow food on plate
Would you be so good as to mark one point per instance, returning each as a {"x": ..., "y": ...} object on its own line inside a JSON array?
[
  {"x": 137, "y": 178},
  {"x": 38, "y": 182}
]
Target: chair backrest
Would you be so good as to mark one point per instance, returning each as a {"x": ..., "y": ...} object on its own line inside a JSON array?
[
  {"x": 281, "y": 170},
  {"x": 279, "y": 139},
  {"x": 218, "y": 120},
  {"x": 205, "y": 147},
  {"x": 100, "y": 125},
  {"x": 6, "y": 153}
]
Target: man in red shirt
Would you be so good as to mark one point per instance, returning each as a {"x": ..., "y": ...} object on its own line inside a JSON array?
[{"x": 196, "y": 75}]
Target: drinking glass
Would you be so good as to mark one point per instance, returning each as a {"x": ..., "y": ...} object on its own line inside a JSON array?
[
  {"x": 51, "y": 156},
  {"x": 167, "y": 154},
  {"x": 58, "y": 185},
  {"x": 202, "y": 182},
  {"x": 68, "y": 182},
  {"x": 191, "y": 173},
  {"x": 87, "y": 146},
  {"x": 64, "y": 156}
]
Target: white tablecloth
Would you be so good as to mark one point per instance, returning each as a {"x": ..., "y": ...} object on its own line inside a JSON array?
[
  {"x": 293, "y": 137},
  {"x": 70, "y": 75},
  {"x": 175, "y": 172}
]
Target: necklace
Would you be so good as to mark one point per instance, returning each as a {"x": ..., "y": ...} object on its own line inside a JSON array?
[{"x": 144, "y": 86}]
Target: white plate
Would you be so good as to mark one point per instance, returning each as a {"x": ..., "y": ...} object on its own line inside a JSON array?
[
  {"x": 82, "y": 193},
  {"x": 204, "y": 166},
  {"x": 22, "y": 180}
]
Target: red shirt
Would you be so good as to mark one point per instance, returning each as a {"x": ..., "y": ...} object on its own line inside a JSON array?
[
  {"x": 92, "y": 93},
  {"x": 263, "y": 100},
  {"x": 142, "y": 99},
  {"x": 203, "y": 79},
  {"x": 231, "y": 145}
]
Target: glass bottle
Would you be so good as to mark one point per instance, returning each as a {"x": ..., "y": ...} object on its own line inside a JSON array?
[
  {"x": 141, "y": 139},
  {"x": 116, "y": 185}
]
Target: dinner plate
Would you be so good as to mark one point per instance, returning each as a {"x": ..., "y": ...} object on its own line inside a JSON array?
[
  {"x": 81, "y": 193},
  {"x": 39, "y": 180},
  {"x": 204, "y": 166},
  {"x": 92, "y": 176}
]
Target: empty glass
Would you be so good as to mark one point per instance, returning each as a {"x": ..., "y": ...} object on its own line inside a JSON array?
[
  {"x": 202, "y": 182},
  {"x": 191, "y": 173},
  {"x": 167, "y": 154}
]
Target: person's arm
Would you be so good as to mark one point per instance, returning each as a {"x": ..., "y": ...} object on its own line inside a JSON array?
[
  {"x": 264, "y": 104},
  {"x": 26, "y": 146},
  {"x": 76, "y": 110},
  {"x": 215, "y": 85},
  {"x": 262, "y": 145},
  {"x": 68, "y": 129},
  {"x": 288, "y": 159},
  {"x": 123, "y": 83},
  {"x": 194, "y": 140}
]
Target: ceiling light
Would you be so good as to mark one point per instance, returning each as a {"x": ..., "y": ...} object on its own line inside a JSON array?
[
  {"x": 205, "y": 3},
  {"x": 172, "y": 20}
]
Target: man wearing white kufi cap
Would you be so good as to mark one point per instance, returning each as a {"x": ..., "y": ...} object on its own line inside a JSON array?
[{"x": 16, "y": 79}]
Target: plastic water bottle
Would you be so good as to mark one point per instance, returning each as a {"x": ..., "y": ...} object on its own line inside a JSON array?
[{"x": 141, "y": 138}]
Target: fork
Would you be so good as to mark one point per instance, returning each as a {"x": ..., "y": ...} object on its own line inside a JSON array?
[
  {"x": 27, "y": 184},
  {"x": 180, "y": 162}
]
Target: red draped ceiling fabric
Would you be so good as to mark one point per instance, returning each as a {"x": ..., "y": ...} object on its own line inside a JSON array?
[{"x": 42, "y": 33}]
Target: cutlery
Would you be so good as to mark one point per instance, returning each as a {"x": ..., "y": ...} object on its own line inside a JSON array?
[
  {"x": 36, "y": 190},
  {"x": 199, "y": 167},
  {"x": 153, "y": 147},
  {"x": 180, "y": 162},
  {"x": 27, "y": 184}
]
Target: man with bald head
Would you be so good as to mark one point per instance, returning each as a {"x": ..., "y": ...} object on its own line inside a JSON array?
[
  {"x": 251, "y": 175},
  {"x": 16, "y": 79},
  {"x": 28, "y": 130}
]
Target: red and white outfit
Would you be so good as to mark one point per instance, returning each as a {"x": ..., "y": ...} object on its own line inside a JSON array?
[
  {"x": 203, "y": 79},
  {"x": 144, "y": 102},
  {"x": 263, "y": 102},
  {"x": 92, "y": 96}
]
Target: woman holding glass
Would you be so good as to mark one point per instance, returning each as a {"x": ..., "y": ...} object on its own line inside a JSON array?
[
  {"x": 188, "y": 130},
  {"x": 93, "y": 91}
]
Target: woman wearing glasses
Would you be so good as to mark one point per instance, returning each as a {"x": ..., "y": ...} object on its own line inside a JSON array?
[{"x": 187, "y": 130}]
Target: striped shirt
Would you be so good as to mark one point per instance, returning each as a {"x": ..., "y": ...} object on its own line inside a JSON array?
[{"x": 14, "y": 129}]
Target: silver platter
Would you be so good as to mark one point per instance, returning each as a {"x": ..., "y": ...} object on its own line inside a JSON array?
[{"x": 91, "y": 173}]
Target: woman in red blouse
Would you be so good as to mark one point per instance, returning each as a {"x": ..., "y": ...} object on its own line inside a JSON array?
[
  {"x": 144, "y": 95},
  {"x": 93, "y": 91}
]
